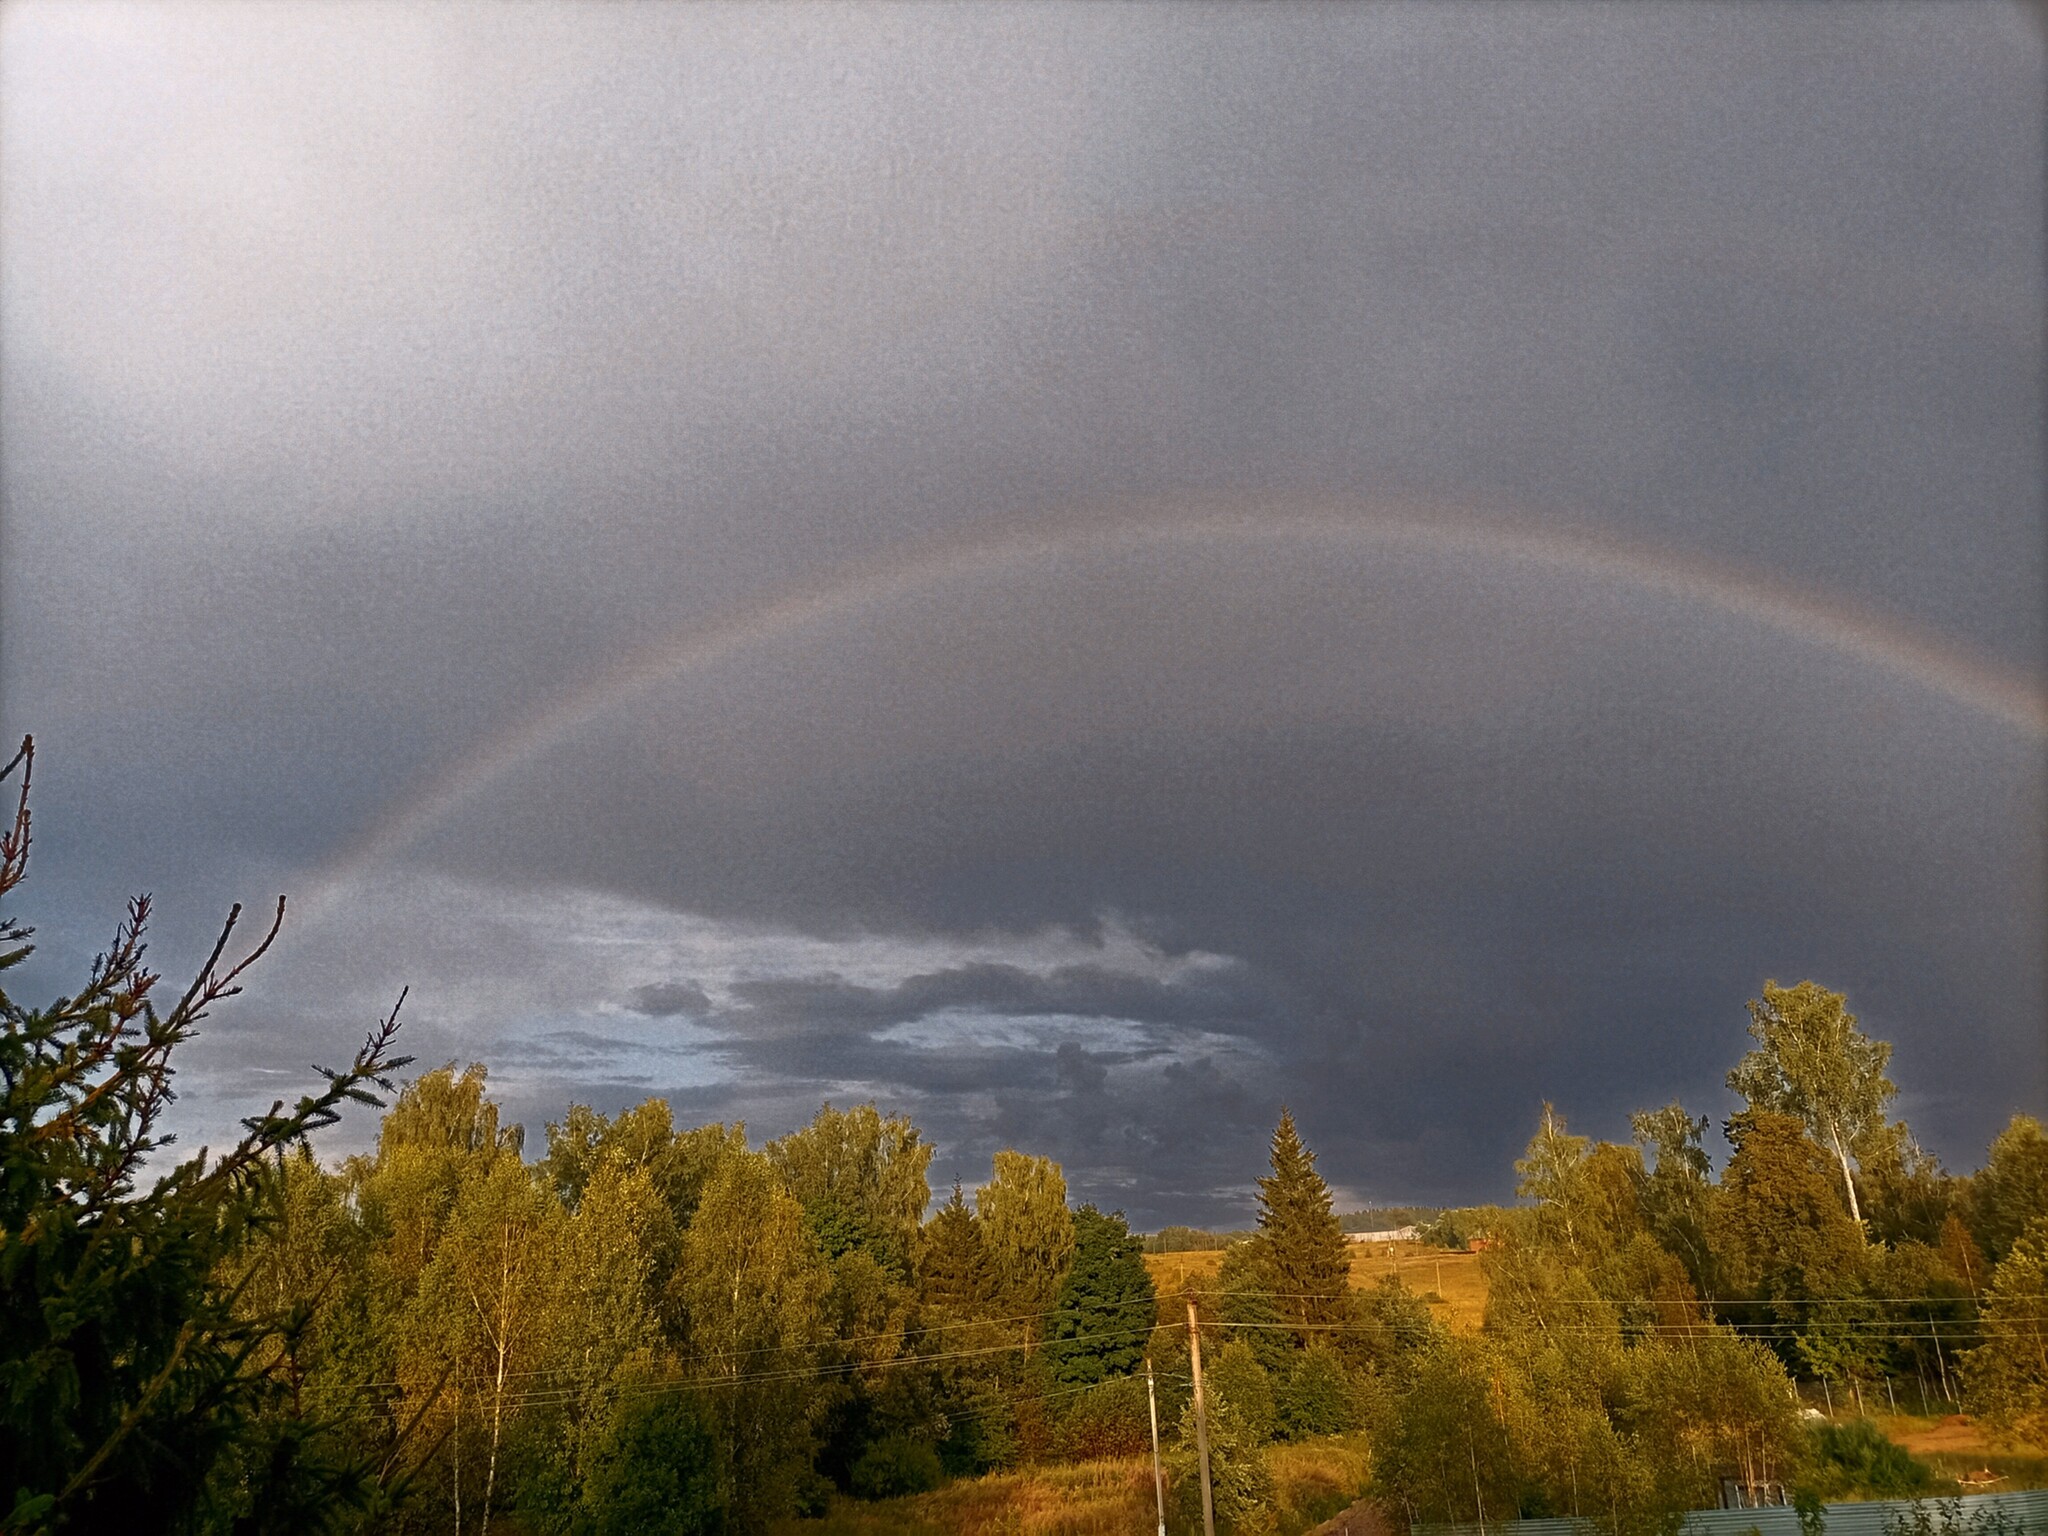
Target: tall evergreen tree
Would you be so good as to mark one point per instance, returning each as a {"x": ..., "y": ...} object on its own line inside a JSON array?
[
  {"x": 1103, "y": 1314},
  {"x": 130, "y": 1378},
  {"x": 1303, "y": 1242},
  {"x": 953, "y": 1272}
]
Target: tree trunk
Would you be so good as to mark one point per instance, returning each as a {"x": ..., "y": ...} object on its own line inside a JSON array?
[
  {"x": 1848, "y": 1183},
  {"x": 503, "y": 1342}
]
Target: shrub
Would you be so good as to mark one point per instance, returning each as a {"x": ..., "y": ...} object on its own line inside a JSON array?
[
  {"x": 1241, "y": 1482},
  {"x": 1241, "y": 1390},
  {"x": 1317, "y": 1397},
  {"x": 1857, "y": 1458},
  {"x": 894, "y": 1466},
  {"x": 657, "y": 1472},
  {"x": 1109, "y": 1419}
]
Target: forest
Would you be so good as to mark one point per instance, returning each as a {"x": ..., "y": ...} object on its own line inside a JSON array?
[{"x": 627, "y": 1325}]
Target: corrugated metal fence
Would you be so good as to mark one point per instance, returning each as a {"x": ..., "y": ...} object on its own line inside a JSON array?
[{"x": 1975, "y": 1514}]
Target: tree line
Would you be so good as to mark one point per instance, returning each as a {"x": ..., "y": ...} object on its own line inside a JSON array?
[{"x": 639, "y": 1326}]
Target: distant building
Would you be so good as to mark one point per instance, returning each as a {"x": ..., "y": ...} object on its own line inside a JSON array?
[{"x": 1397, "y": 1235}]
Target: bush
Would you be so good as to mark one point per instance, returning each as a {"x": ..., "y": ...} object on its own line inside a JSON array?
[
  {"x": 1857, "y": 1458},
  {"x": 1109, "y": 1419},
  {"x": 982, "y": 1431},
  {"x": 657, "y": 1472},
  {"x": 1241, "y": 1482},
  {"x": 1318, "y": 1397},
  {"x": 895, "y": 1466},
  {"x": 1241, "y": 1390}
]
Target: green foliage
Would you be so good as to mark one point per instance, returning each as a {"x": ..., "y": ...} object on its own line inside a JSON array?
[
  {"x": 1552, "y": 1172},
  {"x": 679, "y": 1163},
  {"x": 1189, "y": 1240},
  {"x": 1300, "y": 1245},
  {"x": 655, "y": 1473},
  {"x": 142, "y": 1383},
  {"x": 1552, "y": 1413},
  {"x": 1811, "y": 1062},
  {"x": 1677, "y": 1192},
  {"x": 753, "y": 1286},
  {"x": 1317, "y": 1397},
  {"x": 954, "y": 1273},
  {"x": 863, "y": 1177},
  {"x": 1905, "y": 1195},
  {"x": 1248, "y": 1300},
  {"x": 1394, "y": 1327},
  {"x": 981, "y": 1429},
  {"x": 1781, "y": 1234},
  {"x": 1026, "y": 1228},
  {"x": 1856, "y": 1460},
  {"x": 1103, "y": 1313},
  {"x": 1241, "y": 1390},
  {"x": 2007, "y": 1375},
  {"x": 1110, "y": 1418},
  {"x": 895, "y": 1466},
  {"x": 1441, "y": 1454},
  {"x": 1456, "y": 1229},
  {"x": 1241, "y": 1482},
  {"x": 2011, "y": 1191}
]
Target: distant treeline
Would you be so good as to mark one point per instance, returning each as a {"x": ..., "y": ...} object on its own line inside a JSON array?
[{"x": 1386, "y": 1218}]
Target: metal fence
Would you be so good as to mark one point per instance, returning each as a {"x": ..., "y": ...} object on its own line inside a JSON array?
[{"x": 2023, "y": 1511}]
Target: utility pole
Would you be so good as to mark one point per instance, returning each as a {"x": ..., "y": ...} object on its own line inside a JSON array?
[
  {"x": 1158, "y": 1477},
  {"x": 1201, "y": 1420}
]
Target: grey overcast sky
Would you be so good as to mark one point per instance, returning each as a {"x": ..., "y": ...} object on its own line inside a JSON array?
[{"x": 1078, "y": 571}]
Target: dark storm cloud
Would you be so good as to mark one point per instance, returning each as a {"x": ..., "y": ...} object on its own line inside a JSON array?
[
  {"x": 800, "y": 1006},
  {"x": 372, "y": 378},
  {"x": 670, "y": 999}
]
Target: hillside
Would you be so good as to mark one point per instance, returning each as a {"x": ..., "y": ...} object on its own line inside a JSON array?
[{"x": 1453, "y": 1283}]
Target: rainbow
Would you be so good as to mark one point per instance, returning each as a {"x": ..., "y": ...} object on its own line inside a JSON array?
[{"x": 1773, "y": 605}]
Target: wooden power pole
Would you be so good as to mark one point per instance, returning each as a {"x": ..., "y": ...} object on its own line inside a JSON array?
[
  {"x": 1158, "y": 1477},
  {"x": 1201, "y": 1420}
]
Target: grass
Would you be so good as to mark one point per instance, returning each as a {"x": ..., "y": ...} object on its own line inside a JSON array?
[
  {"x": 1315, "y": 1480},
  {"x": 1318, "y": 1478},
  {"x": 1454, "y": 1283},
  {"x": 1956, "y": 1446}
]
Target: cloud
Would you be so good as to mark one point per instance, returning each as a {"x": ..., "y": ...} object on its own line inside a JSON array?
[
  {"x": 349, "y": 417},
  {"x": 670, "y": 999}
]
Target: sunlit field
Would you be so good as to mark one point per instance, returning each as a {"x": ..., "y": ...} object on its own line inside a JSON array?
[
  {"x": 1453, "y": 1283},
  {"x": 1315, "y": 1480}
]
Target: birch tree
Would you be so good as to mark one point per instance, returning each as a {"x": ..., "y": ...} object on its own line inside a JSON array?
[
  {"x": 1811, "y": 1062},
  {"x": 490, "y": 1297}
]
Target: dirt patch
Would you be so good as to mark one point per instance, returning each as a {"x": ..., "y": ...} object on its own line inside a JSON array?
[{"x": 1361, "y": 1519}]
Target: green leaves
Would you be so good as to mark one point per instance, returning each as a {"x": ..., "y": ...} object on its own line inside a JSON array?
[{"x": 135, "y": 1364}]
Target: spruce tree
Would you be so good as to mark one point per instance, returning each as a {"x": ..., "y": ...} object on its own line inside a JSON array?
[
  {"x": 1303, "y": 1243},
  {"x": 1103, "y": 1314},
  {"x": 138, "y": 1389},
  {"x": 953, "y": 1273}
]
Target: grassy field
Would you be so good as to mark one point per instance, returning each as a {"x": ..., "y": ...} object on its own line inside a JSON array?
[
  {"x": 1956, "y": 1446},
  {"x": 1100, "y": 1498},
  {"x": 1456, "y": 1278}
]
